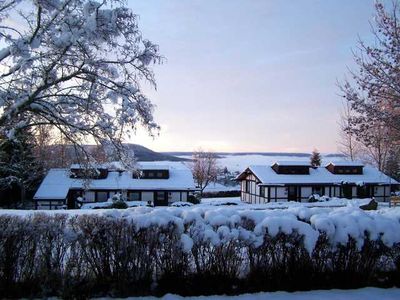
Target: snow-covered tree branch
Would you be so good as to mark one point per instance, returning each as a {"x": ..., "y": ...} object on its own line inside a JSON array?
[
  {"x": 373, "y": 89},
  {"x": 76, "y": 65}
]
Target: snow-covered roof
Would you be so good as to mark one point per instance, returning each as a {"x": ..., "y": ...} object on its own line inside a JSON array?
[
  {"x": 345, "y": 163},
  {"x": 319, "y": 175},
  {"x": 111, "y": 166},
  {"x": 57, "y": 182},
  {"x": 144, "y": 166},
  {"x": 292, "y": 163}
]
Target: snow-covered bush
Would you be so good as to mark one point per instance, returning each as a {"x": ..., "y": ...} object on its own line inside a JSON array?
[
  {"x": 181, "y": 204},
  {"x": 194, "y": 198},
  {"x": 118, "y": 201},
  {"x": 196, "y": 250},
  {"x": 119, "y": 204},
  {"x": 318, "y": 198}
]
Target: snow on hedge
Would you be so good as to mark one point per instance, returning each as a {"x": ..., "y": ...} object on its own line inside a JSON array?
[
  {"x": 369, "y": 293},
  {"x": 218, "y": 225}
]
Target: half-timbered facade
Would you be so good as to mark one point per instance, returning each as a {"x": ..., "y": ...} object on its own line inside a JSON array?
[
  {"x": 297, "y": 181},
  {"x": 157, "y": 184}
]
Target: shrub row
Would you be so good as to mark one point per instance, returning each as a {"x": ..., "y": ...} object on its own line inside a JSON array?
[
  {"x": 221, "y": 194},
  {"x": 80, "y": 256}
]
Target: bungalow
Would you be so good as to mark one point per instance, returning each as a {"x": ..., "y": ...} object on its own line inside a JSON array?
[
  {"x": 152, "y": 182},
  {"x": 297, "y": 181}
]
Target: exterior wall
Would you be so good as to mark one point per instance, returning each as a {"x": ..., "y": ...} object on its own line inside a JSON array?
[
  {"x": 382, "y": 193},
  {"x": 50, "y": 204},
  {"x": 90, "y": 197},
  {"x": 336, "y": 191},
  {"x": 184, "y": 197},
  {"x": 354, "y": 191},
  {"x": 250, "y": 192},
  {"x": 174, "y": 197}
]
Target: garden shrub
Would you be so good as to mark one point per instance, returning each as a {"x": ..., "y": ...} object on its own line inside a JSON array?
[{"x": 146, "y": 251}]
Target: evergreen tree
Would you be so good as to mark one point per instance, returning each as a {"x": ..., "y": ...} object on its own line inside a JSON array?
[
  {"x": 315, "y": 158},
  {"x": 19, "y": 171}
]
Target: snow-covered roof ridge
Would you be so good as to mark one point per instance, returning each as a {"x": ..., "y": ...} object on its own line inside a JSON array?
[
  {"x": 57, "y": 182},
  {"x": 346, "y": 163},
  {"x": 149, "y": 166},
  {"x": 302, "y": 163},
  {"x": 116, "y": 165},
  {"x": 319, "y": 175}
]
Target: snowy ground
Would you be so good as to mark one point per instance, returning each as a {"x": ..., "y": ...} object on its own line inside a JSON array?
[
  {"x": 235, "y": 201},
  {"x": 217, "y": 187},
  {"x": 334, "y": 202},
  {"x": 359, "y": 294}
]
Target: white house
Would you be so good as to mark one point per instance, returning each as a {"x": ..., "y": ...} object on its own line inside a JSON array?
[
  {"x": 297, "y": 181},
  {"x": 152, "y": 182}
]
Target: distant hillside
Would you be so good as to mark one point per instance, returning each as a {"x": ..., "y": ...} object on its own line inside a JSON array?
[
  {"x": 145, "y": 154},
  {"x": 219, "y": 154},
  {"x": 141, "y": 154}
]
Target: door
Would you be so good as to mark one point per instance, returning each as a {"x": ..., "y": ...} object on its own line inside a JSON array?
[
  {"x": 292, "y": 193},
  {"x": 347, "y": 191},
  {"x": 160, "y": 199},
  {"x": 72, "y": 197},
  {"x": 364, "y": 191}
]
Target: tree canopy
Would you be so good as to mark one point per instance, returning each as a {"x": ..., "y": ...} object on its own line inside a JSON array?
[{"x": 76, "y": 65}]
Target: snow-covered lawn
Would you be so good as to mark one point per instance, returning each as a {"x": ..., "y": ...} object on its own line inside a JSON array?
[
  {"x": 334, "y": 202},
  {"x": 359, "y": 294},
  {"x": 218, "y": 187},
  {"x": 235, "y": 201},
  {"x": 108, "y": 204}
]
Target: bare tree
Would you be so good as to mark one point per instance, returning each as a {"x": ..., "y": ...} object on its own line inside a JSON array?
[
  {"x": 204, "y": 168},
  {"x": 374, "y": 89},
  {"x": 379, "y": 145},
  {"x": 373, "y": 92},
  {"x": 75, "y": 65},
  {"x": 348, "y": 144},
  {"x": 99, "y": 153}
]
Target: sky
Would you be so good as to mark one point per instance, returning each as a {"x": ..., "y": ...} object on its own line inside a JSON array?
[{"x": 252, "y": 75}]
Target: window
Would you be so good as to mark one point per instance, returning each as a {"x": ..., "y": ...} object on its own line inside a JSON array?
[
  {"x": 150, "y": 175},
  {"x": 262, "y": 191},
  {"x": 90, "y": 196},
  {"x": 319, "y": 190},
  {"x": 160, "y": 195},
  {"x": 134, "y": 196},
  {"x": 101, "y": 196},
  {"x": 247, "y": 186},
  {"x": 159, "y": 174}
]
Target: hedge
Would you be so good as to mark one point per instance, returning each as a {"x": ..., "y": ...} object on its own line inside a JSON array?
[{"x": 147, "y": 251}]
